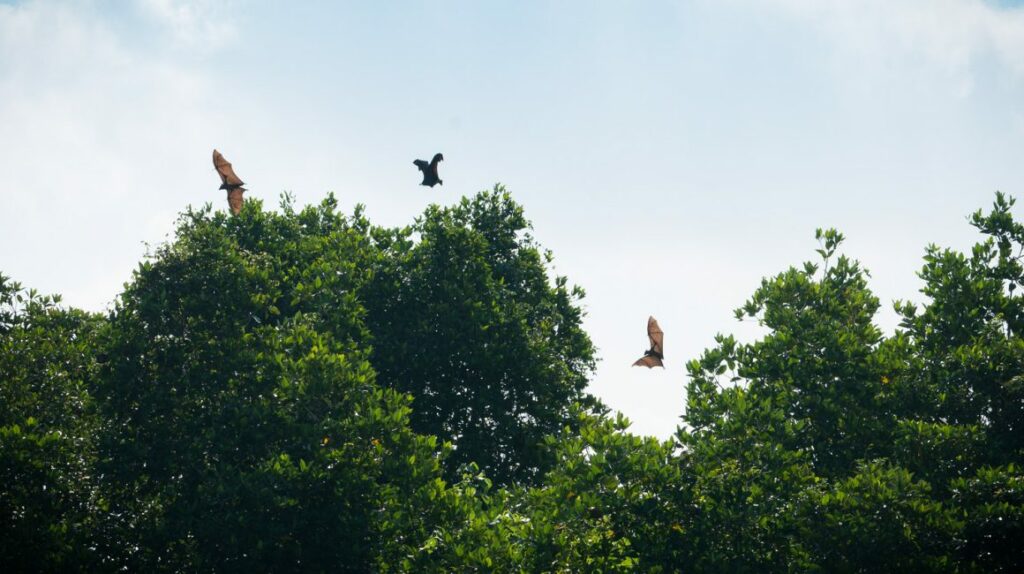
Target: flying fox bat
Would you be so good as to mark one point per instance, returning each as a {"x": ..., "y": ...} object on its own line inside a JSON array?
[
  {"x": 230, "y": 182},
  {"x": 653, "y": 356},
  {"x": 429, "y": 170}
]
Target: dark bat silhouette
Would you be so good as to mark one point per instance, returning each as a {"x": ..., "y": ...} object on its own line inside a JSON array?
[
  {"x": 230, "y": 182},
  {"x": 429, "y": 170},
  {"x": 653, "y": 356}
]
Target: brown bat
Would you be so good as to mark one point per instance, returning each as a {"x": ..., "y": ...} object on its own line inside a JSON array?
[
  {"x": 653, "y": 356},
  {"x": 230, "y": 182},
  {"x": 429, "y": 170}
]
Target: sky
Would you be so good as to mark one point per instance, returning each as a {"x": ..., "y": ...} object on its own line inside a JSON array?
[{"x": 670, "y": 154}]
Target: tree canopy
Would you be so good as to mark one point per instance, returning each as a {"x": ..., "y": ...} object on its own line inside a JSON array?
[
  {"x": 468, "y": 322},
  {"x": 301, "y": 390}
]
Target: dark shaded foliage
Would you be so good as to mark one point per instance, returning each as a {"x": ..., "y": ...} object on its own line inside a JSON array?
[
  {"x": 303, "y": 391},
  {"x": 467, "y": 321},
  {"x": 244, "y": 429},
  {"x": 47, "y": 426}
]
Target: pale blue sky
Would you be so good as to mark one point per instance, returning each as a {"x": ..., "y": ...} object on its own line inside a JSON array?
[{"x": 702, "y": 141}]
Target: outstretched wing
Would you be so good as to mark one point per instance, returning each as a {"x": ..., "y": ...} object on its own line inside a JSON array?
[
  {"x": 657, "y": 337},
  {"x": 424, "y": 166},
  {"x": 649, "y": 361},
  {"x": 224, "y": 170}
]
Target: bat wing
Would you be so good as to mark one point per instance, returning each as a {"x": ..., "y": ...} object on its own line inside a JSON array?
[
  {"x": 649, "y": 361},
  {"x": 224, "y": 170},
  {"x": 424, "y": 166},
  {"x": 656, "y": 335}
]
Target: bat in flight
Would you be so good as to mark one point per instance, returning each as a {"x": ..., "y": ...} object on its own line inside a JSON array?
[
  {"x": 653, "y": 356},
  {"x": 229, "y": 181},
  {"x": 429, "y": 170}
]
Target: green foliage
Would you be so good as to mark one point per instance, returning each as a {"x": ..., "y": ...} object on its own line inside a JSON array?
[
  {"x": 968, "y": 338},
  {"x": 467, "y": 527},
  {"x": 467, "y": 321},
  {"x": 992, "y": 505},
  {"x": 303, "y": 391},
  {"x": 938, "y": 452},
  {"x": 245, "y": 431},
  {"x": 746, "y": 486},
  {"x": 771, "y": 422},
  {"x": 818, "y": 364},
  {"x": 872, "y": 447},
  {"x": 880, "y": 520},
  {"x": 47, "y": 360},
  {"x": 606, "y": 504}
]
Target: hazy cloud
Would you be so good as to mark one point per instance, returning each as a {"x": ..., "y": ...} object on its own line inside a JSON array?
[
  {"x": 91, "y": 129},
  {"x": 194, "y": 23},
  {"x": 946, "y": 36}
]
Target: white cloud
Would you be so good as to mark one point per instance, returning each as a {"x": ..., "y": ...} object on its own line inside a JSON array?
[
  {"x": 194, "y": 23},
  {"x": 945, "y": 36},
  {"x": 91, "y": 130}
]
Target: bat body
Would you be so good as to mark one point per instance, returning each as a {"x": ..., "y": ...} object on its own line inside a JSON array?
[
  {"x": 653, "y": 356},
  {"x": 429, "y": 170},
  {"x": 229, "y": 181}
]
